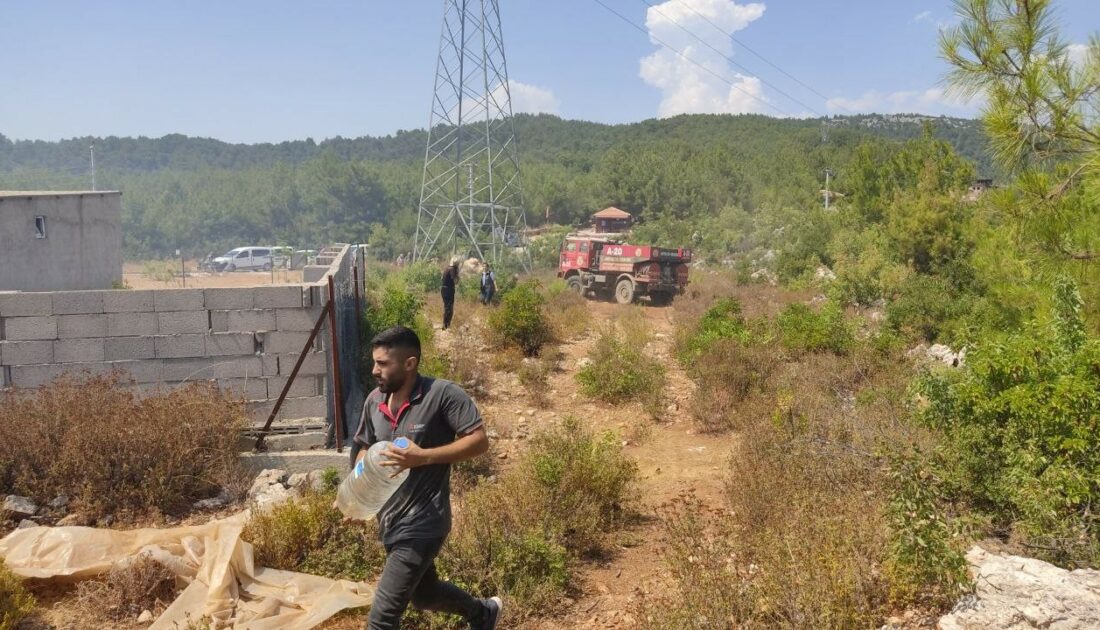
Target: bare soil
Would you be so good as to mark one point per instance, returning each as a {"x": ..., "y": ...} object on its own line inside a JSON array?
[
  {"x": 673, "y": 458},
  {"x": 134, "y": 277}
]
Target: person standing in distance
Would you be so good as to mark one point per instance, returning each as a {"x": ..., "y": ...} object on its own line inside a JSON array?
[
  {"x": 447, "y": 291},
  {"x": 488, "y": 284},
  {"x": 443, "y": 427}
]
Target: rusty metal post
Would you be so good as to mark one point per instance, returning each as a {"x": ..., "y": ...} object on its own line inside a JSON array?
[
  {"x": 293, "y": 375},
  {"x": 358, "y": 308},
  {"x": 337, "y": 388}
]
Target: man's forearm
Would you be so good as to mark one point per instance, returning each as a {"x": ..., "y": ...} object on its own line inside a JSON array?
[{"x": 463, "y": 448}]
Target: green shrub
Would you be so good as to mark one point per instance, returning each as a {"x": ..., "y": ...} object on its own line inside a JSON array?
[
  {"x": 422, "y": 277},
  {"x": 16, "y": 604},
  {"x": 563, "y": 499},
  {"x": 721, "y": 321},
  {"x": 726, "y": 374},
  {"x": 926, "y": 308},
  {"x": 803, "y": 330},
  {"x": 308, "y": 534},
  {"x": 519, "y": 321},
  {"x": 1020, "y": 431},
  {"x": 619, "y": 371},
  {"x": 925, "y": 562}
]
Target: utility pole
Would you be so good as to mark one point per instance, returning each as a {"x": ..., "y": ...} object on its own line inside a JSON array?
[
  {"x": 92, "y": 150},
  {"x": 828, "y": 173},
  {"x": 471, "y": 137}
]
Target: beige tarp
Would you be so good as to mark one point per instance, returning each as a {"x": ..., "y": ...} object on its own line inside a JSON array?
[{"x": 224, "y": 585}]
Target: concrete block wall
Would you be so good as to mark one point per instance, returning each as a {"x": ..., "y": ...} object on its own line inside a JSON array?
[{"x": 247, "y": 340}]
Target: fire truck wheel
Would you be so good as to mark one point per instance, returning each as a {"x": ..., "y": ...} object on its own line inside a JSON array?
[
  {"x": 574, "y": 284},
  {"x": 624, "y": 291}
]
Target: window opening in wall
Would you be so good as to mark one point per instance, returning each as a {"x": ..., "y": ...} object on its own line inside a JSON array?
[{"x": 40, "y": 227}]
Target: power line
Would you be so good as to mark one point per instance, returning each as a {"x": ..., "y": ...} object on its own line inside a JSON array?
[
  {"x": 690, "y": 60},
  {"x": 727, "y": 57},
  {"x": 758, "y": 55}
]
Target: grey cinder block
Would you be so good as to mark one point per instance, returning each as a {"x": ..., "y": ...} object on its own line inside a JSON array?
[
  {"x": 231, "y": 343},
  {"x": 297, "y": 319},
  {"x": 177, "y": 346},
  {"x": 128, "y": 301},
  {"x": 303, "y": 385},
  {"x": 131, "y": 324},
  {"x": 128, "y": 348},
  {"x": 227, "y": 299},
  {"x": 178, "y": 300},
  {"x": 26, "y": 304},
  {"x": 81, "y": 326},
  {"x": 78, "y": 350},
  {"x": 26, "y": 352},
  {"x": 278, "y": 297},
  {"x": 279, "y": 342},
  {"x": 181, "y": 322},
  {"x": 315, "y": 363},
  {"x": 77, "y": 302},
  {"x": 251, "y": 320},
  {"x": 30, "y": 328},
  {"x": 142, "y": 371}
]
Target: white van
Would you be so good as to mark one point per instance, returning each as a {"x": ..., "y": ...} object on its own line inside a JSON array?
[{"x": 245, "y": 258}]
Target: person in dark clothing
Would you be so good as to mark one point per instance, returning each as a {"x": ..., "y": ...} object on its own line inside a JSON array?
[
  {"x": 488, "y": 284},
  {"x": 443, "y": 427},
  {"x": 447, "y": 291}
]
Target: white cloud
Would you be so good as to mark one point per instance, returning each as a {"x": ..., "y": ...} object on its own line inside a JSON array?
[
  {"x": 1077, "y": 54},
  {"x": 923, "y": 16},
  {"x": 931, "y": 101},
  {"x": 531, "y": 99},
  {"x": 687, "y": 88}
]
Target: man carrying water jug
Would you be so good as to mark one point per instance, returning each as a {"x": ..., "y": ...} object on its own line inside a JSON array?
[{"x": 443, "y": 427}]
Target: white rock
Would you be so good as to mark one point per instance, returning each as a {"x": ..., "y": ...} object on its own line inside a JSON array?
[
  {"x": 212, "y": 503},
  {"x": 316, "y": 479},
  {"x": 824, "y": 273},
  {"x": 146, "y": 616},
  {"x": 59, "y": 501},
  {"x": 271, "y": 496},
  {"x": 1016, "y": 593},
  {"x": 26, "y": 524},
  {"x": 297, "y": 481},
  {"x": 19, "y": 506},
  {"x": 583, "y": 362}
]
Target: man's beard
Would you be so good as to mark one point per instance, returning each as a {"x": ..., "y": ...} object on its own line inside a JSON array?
[{"x": 391, "y": 385}]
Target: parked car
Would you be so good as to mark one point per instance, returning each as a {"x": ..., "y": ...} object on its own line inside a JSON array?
[{"x": 245, "y": 258}]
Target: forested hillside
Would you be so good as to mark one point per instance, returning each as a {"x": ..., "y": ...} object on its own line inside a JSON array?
[{"x": 200, "y": 194}]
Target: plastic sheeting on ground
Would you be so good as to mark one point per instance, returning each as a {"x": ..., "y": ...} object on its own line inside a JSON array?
[{"x": 223, "y": 583}]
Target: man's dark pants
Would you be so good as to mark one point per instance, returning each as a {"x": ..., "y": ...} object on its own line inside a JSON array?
[
  {"x": 410, "y": 576},
  {"x": 448, "y": 306}
]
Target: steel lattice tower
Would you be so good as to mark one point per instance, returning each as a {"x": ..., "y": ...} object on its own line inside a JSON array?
[{"x": 471, "y": 199}]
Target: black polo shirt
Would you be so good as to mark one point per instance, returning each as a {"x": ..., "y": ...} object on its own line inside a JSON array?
[{"x": 437, "y": 412}]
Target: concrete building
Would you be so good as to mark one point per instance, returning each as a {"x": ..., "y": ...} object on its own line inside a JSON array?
[{"x": 60, "y": 241}]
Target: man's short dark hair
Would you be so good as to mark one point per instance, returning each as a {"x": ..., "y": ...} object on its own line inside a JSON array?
[{"x": 400, "y": 338}]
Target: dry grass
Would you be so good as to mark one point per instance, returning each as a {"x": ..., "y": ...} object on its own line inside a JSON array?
[
  {"x": 115, "y": 454},
  {"x": 802, "y": 539},
  {"x": 142, "y": 584}
]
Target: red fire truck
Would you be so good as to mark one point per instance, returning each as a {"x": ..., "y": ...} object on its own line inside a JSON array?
[{"x": 601, "y": 267}]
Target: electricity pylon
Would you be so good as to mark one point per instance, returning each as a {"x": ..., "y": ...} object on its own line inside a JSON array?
[{"x": 471, "y": 199}]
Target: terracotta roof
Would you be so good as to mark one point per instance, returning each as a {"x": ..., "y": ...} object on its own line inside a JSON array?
[{"x": 612, "y": 213}]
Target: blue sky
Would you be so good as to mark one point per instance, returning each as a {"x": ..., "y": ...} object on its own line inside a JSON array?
[{"x": 257, "y": 71}]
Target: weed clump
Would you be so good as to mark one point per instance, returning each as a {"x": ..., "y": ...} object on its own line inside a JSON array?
[
  {"x": 803, "y": 330},
  {"x": 16, "y": 603},
  {"x": 126, "y": 591},
  {"x": 519, "y": 320},
  {"x": 522, "y": 534},
  {"x": 620, "y": 371},
  {"x": 116, "y": 454},
  {"x": 308, "y": 534}
]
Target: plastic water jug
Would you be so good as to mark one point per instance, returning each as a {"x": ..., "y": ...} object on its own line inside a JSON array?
[{"x": 370, "y": 484}]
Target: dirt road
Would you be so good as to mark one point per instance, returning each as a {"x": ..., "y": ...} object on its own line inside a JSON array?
[{"x": 673, "y": 459}]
